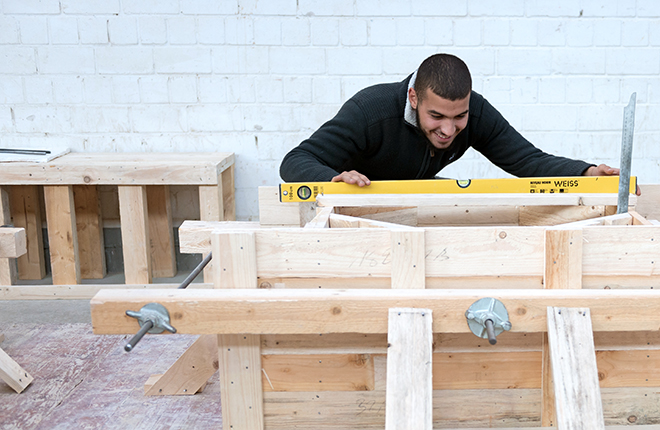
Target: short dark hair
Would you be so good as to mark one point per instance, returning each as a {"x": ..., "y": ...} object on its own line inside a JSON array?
[{"x": 446, "y": 75}]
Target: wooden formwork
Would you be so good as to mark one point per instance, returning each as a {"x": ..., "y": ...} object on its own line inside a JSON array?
[
  {"x": 290, "y": 357},
  {"x": 68, "y": 186}
]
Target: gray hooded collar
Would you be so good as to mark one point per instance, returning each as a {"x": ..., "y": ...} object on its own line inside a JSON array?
[{"x": 409, "y": 114}]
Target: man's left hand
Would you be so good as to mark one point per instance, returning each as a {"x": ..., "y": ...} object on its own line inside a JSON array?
[{"x": 605, "y": 170}]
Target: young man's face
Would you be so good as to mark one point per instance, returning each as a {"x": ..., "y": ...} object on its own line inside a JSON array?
[{"x": 440, "y": 119}]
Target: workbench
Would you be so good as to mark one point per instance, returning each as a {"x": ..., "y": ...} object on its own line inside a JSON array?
[{"x": 73, "y": 217}]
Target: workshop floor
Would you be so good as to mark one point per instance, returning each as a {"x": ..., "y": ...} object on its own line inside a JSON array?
[{"x": 86, "y": 381}]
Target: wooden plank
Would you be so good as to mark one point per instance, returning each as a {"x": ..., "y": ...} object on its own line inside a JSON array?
[
  {"x": 211, "y": 208},
  {"x": 228, "y": 194},
  {"x": 648, "y": 204},
  {"x": 239, "y": 355},
  {"x": 12, "y": 242},
  {"x": 318, "y": 372},
  {"x": 321, "y": 220},
  {"x": 13, "y": 374},
  {"x": 8, "y": 269},
  {"x": 563, "y": 258},
  {"x": 78, "y": 291},
  {"x": 161, "y": 233},
  {"x": 62, "y": 234},
  {"x": 637, "y": 219},
  {"x": 345, "y": 221},
  {"x": 121, "y": 168},
  {"x": 25, "y": 206},
  {"x": 574, "y": 370},
  {"x": 555, "y": 215},
  {"x": 409, "y": 395},
  {"x": 450, "y": 252},
  {"x": 189, "y": 374},
  {"x": 135, "y": 234},
  {"x": 466, "y": 215},
  {"x": 89, "y": 227},
  {"x": 408, "y": 254},
  {"x": 396, "y": 214},
  {"x": 616, "y": 219},
  {"x": 271, "y": 311},
  {"x": 413, "y": 200}
]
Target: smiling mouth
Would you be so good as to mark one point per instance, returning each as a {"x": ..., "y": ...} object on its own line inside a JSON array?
[{"x": 442, "y": 136}]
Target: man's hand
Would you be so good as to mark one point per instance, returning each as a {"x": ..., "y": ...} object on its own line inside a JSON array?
[
  {"x": 352, "y": 177},
  {"x": 605, "y": 170}
]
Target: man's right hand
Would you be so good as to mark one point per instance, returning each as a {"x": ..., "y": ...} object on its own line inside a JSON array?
[{"x": 352, "y": 177}]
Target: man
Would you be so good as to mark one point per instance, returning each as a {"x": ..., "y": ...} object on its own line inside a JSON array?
[{"x": 414, "y": 128}]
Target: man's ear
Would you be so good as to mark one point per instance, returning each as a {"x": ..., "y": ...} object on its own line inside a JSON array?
[{"x": 412, "y": 97}]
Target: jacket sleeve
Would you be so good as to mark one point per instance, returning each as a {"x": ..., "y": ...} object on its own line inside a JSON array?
[
  {"x": 321, "y": 157},
  {"x": 498, "y": 141}
]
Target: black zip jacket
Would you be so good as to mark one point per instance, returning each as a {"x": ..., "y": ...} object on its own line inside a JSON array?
[{"x": 370, "y": 134}]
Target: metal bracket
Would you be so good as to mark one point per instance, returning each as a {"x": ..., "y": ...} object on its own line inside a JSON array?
[
  {"x": 153, "y": 318},
  {"x": 487, "y": 318}
]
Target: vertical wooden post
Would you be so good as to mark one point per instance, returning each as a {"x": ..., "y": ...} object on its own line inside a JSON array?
[
  {"x": 161, "y": 233},
  {"x": 239, "y": 356},
  {"x": 577, "y": 392},
  {"x": 135, "y": 233},
  {"x": 409, "y": 395},
  {"x": 408, "y": 258},
  {"x": 62, "y": 234},
  {"x": 228, "y": 194},
  {"x": 8, "y": 270},
  {"x": 89, "y": 226},
  {"x": 563, "y": 269},
  {"x": 25, "y": 206}
]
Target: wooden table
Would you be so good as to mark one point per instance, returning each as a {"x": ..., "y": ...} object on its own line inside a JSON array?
[{"x": 73, "y": 218}]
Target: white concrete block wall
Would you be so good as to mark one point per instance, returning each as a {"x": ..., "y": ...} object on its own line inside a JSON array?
[{"x": 255, "y": 77}]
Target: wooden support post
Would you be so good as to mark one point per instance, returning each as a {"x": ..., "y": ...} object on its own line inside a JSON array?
[
  {"x": 62, "y": 234},
  {"x": 322, "y": 218},
  {"x": 239, "y": 356},
  {"x": 91, "y": 249},
  {"x": 408, "y": 258},
  {"x": 161, "y": 233},
  {"x": 25, "y": 206},
  {"x": 563, "y": 269},
  {"x": 573, "y": 356},
  {"x": 8, "y": 271},
  {"x": 12, "y": 373},
  {"x": 189, "y": 374},
  {"x": 135, "y": 233},
  {"x": 409, "y": 395},
  {"x": 217, "y": 203}
]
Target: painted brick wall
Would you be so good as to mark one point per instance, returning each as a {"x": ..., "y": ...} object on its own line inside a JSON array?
[{"x": 255, "y": 77}]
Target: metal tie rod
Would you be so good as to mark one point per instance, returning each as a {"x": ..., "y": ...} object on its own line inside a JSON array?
[
  {"x": 154, "y": 317},
  {"x": 626, "y": 155}
]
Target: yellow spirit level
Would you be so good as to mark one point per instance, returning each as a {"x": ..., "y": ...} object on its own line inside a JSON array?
[{"x": 307, "y": 191}]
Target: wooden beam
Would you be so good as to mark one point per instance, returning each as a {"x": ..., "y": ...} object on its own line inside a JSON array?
[
  {"x": 89, "y": 227},
  {"x": 121, "y": 168},
  {"x": 12, "y": 242},
  {"x": 408, "y": 258},
  {"x": 637, "y": 219},
  {"x": 345, "y": 221},
  {"x": 321, "y": 220},
  {"x": 8, "y": 269},
  {"x": 25, "y": 205},
  {"x": 449, "y": 251},
  {"x": 189, "y": 374},
  {"x": 135, "y": 234},
  {"x": 274, "y": 213},
  {"x": 12, "y": 373},
  {"x": 409, "y": 394},
  {"x": 258, "y": 311},
  {"x": 563, "y": 258},
  {"x": 397, "y": 214},
  {"x": 78, "y": 291},
  {"x": 239, "y": 355},
  {"x": 161, "y": 233},
  {"x": 574, "y": 371},
  {"x": 228, "y": 193},
  {"x": 62, "y": 234}
]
